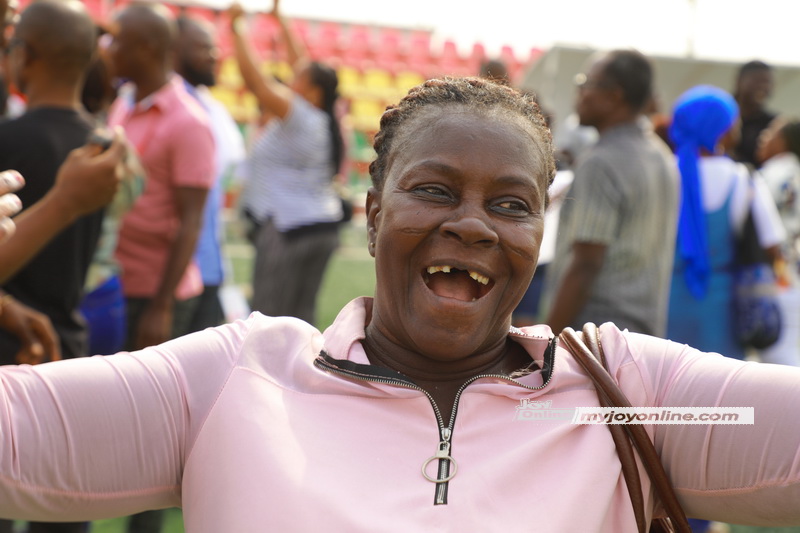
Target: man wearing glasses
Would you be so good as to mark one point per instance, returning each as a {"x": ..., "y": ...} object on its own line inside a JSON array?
[{"x": 616, "y": 238}]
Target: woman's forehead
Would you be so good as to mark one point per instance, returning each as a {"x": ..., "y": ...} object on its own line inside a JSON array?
[
  {"x": 439, "y": 120},
  {"x": 467, "y": 137}
]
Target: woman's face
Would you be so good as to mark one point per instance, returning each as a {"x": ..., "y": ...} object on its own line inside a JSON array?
[
  {"x": 304, "y": 86},
  {"x": 463, "y": 192}
]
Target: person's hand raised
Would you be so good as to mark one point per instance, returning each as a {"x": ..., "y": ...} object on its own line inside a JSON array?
[
  {"x": 90, "y": 176},
  {"x": 235, "y": 12},
  {"x": 10, "y": 181}
]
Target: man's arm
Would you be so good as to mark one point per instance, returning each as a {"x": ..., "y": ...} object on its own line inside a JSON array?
[
  {"x": 155, "y": 325},
  {"x": 576, "y": 284}
]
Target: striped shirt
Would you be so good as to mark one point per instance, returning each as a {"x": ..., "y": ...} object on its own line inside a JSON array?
[
  {"x": 624, "y": 196},
  {"x": 290, "y": 171}
]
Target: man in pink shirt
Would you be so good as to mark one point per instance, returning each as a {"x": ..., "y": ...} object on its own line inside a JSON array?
[{"x": 171, "y": 134}]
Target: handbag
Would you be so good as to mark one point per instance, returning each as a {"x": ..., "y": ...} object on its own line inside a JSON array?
[
  {"x": 588, "y": 352},
  {"x": 757, "y": 314}
]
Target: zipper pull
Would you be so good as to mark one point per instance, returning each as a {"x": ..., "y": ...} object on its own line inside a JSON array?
[{"x": 442, "y": 453}]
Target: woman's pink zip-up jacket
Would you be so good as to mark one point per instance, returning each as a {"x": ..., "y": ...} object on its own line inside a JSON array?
[{"x": 269, "y": 425}]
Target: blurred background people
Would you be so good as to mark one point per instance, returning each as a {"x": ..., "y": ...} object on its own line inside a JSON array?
[
  {"x": 197, "y": 62},
  {"x": 779, "y": 154},
  {"x": 52, "y": 46},
  {"x": 715, "y": 199},
  {"x": 616, "y": 228},
  {"x": 103, "y": 304},
  {"x": 754, "y": 84},
  {"x": 49, "y": 52},
  {"x": 171, "y": 134},
  {"x": 291, "y": 168},
  {"x": 85, "y": 182}
]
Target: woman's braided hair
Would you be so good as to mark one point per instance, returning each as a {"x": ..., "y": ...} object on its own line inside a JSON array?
[{"x": 476, "y": 93}]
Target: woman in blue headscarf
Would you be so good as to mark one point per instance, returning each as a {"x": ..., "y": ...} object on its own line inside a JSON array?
[{"x": 715, "y": 196}]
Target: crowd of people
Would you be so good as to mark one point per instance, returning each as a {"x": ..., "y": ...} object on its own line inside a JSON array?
[{"x": 115, "y": 154}]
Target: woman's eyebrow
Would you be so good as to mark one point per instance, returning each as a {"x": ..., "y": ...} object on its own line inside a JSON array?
[
  {"x": 436, "y": 166},
  {"x": 449, "y": 170},
  {"x": 522, "y": 181}
]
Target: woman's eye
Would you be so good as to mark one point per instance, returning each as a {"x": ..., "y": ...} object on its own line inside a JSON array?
[
  {"x": 513, "y": 206},
  {"x": 432, "y": 190}
]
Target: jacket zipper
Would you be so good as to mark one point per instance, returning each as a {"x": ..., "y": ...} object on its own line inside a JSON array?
[{"x": 443, "y": 451}]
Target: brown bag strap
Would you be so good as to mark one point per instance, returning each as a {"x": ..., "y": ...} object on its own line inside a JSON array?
[{"x": 590, "y": 358}]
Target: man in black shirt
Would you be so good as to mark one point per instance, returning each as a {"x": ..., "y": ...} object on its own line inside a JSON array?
[
  {"x": 48, "y": 54},
  {"x": 754, "y": 84},
  {"x": 51, "y": 48}
]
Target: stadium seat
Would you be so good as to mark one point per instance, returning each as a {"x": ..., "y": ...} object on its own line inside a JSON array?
[
  {"x": 350, "y": 81},
  {"x": 407, "y": 79},
  {"x": 359, "y": 46},
  {"x": 229, "y": 75}
]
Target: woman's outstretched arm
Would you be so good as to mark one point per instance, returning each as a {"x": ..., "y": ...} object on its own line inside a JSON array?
[
  {"x": 106, "y": 436},
  {"x": 272, "y": 96},
  {"x": 741, "y": 473}
]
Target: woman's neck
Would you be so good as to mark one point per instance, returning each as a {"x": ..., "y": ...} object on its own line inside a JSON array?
[
  {"x": 383, "y": 351},
  {"x": 443, "y": 379}
]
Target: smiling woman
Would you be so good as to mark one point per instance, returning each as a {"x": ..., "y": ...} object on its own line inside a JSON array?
[
  {"x": 457, "y": 211},
  {"x": 411, "y": 412}
]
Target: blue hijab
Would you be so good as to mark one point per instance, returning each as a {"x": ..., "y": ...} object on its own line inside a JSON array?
[{"x": 701, "y": 116}]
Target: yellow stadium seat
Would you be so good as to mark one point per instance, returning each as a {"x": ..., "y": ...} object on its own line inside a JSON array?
[
  {"x": 228, "y": 97},
  {"x": 407, "y": 79},
  {"x": 350, "y": 82},
  {"x": 229, "y": 74},
  {"x": 378, "y": 79}
]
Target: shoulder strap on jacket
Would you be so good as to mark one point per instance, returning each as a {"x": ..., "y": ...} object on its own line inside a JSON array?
[{"x": 588, "y": 352}]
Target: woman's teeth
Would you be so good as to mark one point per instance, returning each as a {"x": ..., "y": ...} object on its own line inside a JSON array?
[{"x": 483, "y": 280}]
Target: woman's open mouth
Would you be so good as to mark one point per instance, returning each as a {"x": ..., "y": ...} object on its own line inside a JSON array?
[{"x": 450, "y": 282}]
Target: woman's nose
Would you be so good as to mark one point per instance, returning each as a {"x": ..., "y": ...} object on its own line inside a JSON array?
[{"x": 470, "y": 229}]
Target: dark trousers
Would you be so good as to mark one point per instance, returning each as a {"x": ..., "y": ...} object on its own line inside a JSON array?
[
  {"x": 6, "y": 526},
  {"x": 146, "y": 522},
  {"x": 182, "y": 313},
  {"x": 208, "y": 312},
  {"x": 289, "y": 269}
]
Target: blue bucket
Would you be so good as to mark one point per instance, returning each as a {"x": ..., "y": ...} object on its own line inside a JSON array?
[{"x": 104, "y": 310}]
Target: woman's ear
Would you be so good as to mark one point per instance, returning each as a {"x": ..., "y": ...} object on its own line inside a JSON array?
[{"x": 373, "y": 218}]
